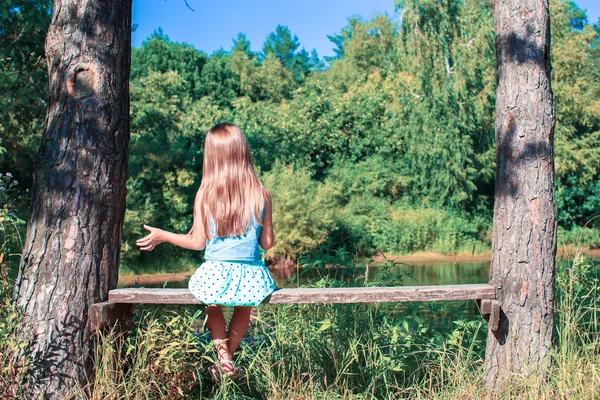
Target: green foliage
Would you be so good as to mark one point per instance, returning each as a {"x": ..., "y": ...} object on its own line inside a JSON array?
[
  {"x": 165, "y": 158},
  {"x": 23, "y": 83},
  {"x": 359, "y": 222},
  {"x": 448, "y": 79},
  {"x": 11, "y": 226},
  {"x": 579, "y": 236},
  {"x": 11, "y": 230},
  {"x": 272, "y": 81},
  {"x": 302, "y": 210},
  {"x": 398, "y": 129},
  {"x": 576, "y": 87},
  {"x": 578, "y": 294},
  {"x": 284, "y": 47},
  {"x": 367, "y": 46},
  {"x": 414, "y": 230},
  {"x": 218, "y": 81},
  {"x": 369, "y": 176},
  {"x": 159, "y": 54},
  {"x": 372, "y": 224}
]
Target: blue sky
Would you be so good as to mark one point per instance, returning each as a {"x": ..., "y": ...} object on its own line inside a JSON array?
[{"x": 214, "y": 24}]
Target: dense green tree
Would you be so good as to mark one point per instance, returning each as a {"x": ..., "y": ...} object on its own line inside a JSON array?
[
  {"x": 447, "y": 57},
  {"x": 243, "y": 63},
  {"x": 243, "y": 44},
  {"x": 339, "y": 39},
  {"x": 218, "y": 81},
  {"x": 23, "y": 83},
  {"x": 302, "y": 212},
  {"x": 370, "y": 47},
  {"x": 159, "y": 54},
  {"x": 285, "y": 48},
  {"x": 576, "y": 87},
  {"x": 398, "y": 128},
  {"x": 165, "y": 160},
  {"x": 272, "y": 81}
]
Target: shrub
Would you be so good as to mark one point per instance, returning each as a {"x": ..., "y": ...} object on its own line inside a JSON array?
[
  {"x": 436, "y": 230},
  {"x": 303, "y": 210},
  {"x": 359, "y": 224},
  {"x": 579, "y": 236}
]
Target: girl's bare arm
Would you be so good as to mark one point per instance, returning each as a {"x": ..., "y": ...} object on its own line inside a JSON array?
[{"x": 267, "y": 238}]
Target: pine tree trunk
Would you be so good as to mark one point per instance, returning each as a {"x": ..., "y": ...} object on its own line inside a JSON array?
[
  {"x": 71, "y": 252},
  {"x": 524, "y": 234}
]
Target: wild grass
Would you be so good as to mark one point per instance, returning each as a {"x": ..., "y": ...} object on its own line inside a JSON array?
[
  {"x": 343, "y": 351},
  {"x": 360, "y": 351}
]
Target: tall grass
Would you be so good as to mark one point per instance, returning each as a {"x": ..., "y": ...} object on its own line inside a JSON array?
[
  {"x": 360, "y": 351},
  {"x": 11, "y": 227},
  {"x": 575, "y": 370},
  {"x": 342, "y": 351}
]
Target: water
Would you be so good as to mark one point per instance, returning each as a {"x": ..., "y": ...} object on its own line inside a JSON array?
[
  {"x": 410, "y": 274},
  {"x": 414, "y": 274}
]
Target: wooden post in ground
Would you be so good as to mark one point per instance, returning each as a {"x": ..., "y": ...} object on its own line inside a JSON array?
[
  {"x": 524, "y": 234},
  {"x": 71, "y": 252}
]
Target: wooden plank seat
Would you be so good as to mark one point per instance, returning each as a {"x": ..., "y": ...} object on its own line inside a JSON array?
[
  {"x": 120, "y": 301},
  {"x": 319, "y": 295}
]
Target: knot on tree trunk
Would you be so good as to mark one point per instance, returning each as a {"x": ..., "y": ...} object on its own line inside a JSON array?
[{"x": 81, "y": 81}]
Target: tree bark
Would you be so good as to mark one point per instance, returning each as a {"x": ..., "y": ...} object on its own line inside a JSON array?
[
  {"x": 524, "y": 233},
  {"x": 71, "y": 252}
]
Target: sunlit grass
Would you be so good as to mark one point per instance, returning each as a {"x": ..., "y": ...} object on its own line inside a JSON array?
[{"x": 343, "y": 351}]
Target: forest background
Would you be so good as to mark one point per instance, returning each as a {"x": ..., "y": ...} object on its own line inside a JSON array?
[{"x": 386, "y": 147}]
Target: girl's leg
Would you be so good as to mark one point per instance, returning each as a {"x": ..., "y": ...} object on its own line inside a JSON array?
[
  {"x": 238, "y": 327},
  {"x": 216, "y": 326}
]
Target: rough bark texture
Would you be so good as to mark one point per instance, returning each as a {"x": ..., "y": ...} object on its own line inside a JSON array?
[
  {"x": 524, "y": 235},
  {"x": 71, "y": 253}
]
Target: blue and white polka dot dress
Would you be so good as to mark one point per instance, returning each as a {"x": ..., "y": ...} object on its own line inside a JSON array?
[
  {"x": 245, "y": 283},
  {"x": 233, "y": 274}
]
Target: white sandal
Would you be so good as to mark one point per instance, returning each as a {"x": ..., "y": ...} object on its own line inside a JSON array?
[{"x": 217, "y": 369}]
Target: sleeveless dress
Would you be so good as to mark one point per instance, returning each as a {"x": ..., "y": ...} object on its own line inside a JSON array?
[{"x": 233, "y": 274}]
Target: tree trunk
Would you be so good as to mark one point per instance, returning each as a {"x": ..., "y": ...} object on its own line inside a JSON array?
[
  {"x": 71, "y": 253},
  {"x": 524, "y": 234}
]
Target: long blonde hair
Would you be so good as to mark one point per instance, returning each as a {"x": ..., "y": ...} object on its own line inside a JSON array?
[{"x": 230, "y": 193}]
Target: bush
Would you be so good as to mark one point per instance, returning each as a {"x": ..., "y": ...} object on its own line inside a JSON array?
[
  {"x": 372, "y": 224},
  {"x": 436, "y": 230},
  {"x": 359, "y": 224},
  {"x": 303, "y": 210},
  {"x": 579, "y": 236}
]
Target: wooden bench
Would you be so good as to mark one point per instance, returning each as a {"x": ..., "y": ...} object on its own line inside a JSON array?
[{"x": 121, "y": 301}]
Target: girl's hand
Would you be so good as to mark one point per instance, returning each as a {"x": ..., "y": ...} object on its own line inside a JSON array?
[{"x": 149, "y": 242}]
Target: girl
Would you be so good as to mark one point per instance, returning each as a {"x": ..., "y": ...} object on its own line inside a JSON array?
[{"x": 232, "y": 216}]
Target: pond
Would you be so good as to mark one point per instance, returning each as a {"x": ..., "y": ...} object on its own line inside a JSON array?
[
  {"x": 417, "y": 273},
  {"x": 438, "y": 273}
]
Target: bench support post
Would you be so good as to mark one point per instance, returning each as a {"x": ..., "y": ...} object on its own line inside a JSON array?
[
  {"x": 105, "y": 314},
  {"x": 490, "y": 309}
]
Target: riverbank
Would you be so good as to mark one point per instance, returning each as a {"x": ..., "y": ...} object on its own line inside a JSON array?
[
  {"x": 431, "y": 257},
  {"x": 423, "y": 258}
]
